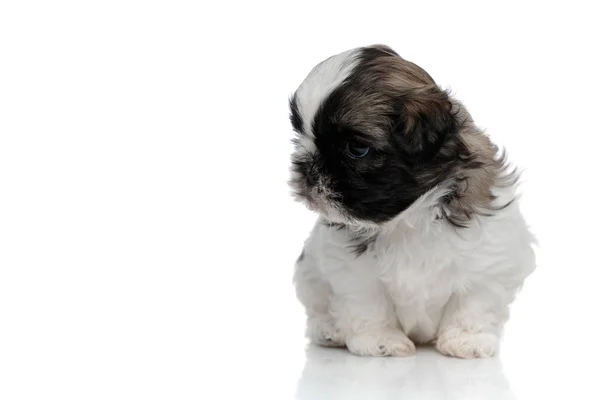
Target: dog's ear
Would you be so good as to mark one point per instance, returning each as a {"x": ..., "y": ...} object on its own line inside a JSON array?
[{"x": 423, "y": 120}]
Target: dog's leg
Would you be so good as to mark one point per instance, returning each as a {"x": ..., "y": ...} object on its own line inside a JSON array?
[
  {"x": 314, "y": 293},
  {"x": 363, "y": 311},
  {"x": 473, "y": 321}
]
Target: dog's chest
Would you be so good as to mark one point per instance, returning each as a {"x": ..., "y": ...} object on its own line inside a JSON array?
[{"x": 419, "y": 276}]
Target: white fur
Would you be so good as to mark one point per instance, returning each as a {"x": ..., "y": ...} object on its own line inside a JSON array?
[
  {"x": 319, "y": 83},
  {"x": 422, "y": 280}
]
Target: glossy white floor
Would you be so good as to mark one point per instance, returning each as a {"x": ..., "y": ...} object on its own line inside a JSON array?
[
  {"x": 147, "y": 236},
  {"x": 330, "y": 374}
]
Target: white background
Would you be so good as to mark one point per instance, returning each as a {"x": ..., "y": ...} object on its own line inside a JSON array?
[{"x": 147, "y": 237}]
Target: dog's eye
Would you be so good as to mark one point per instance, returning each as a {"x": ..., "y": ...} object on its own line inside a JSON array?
[{"x": 356, "y": 150}]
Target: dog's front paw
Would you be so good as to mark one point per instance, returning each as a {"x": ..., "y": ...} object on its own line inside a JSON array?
[
  {"x": 321, "y": 330},
  {"x": 457, "y": 343},
  {"x": 383, "y": 343}
]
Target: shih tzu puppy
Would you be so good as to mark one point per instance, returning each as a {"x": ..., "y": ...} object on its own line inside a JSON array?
[{"x": 420, "y": 238}]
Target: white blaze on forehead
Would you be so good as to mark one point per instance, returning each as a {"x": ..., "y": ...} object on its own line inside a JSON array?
[{"x": 321, "y": 81}]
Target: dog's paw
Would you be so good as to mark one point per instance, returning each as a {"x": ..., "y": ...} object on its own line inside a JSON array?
[
  {"x": 384, "y": 343},
  {"x": 463, "y": 344},
  {"x": 322, "y": 331}
]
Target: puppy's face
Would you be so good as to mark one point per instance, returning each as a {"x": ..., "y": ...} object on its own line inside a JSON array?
[{"x": 374, "y": 133}]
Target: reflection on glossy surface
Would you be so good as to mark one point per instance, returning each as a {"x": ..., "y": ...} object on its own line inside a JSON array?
[{"x": 337, "y": 374}]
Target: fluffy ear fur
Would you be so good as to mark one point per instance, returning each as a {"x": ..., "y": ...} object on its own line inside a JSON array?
[{"x": 423, "y": 122}]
